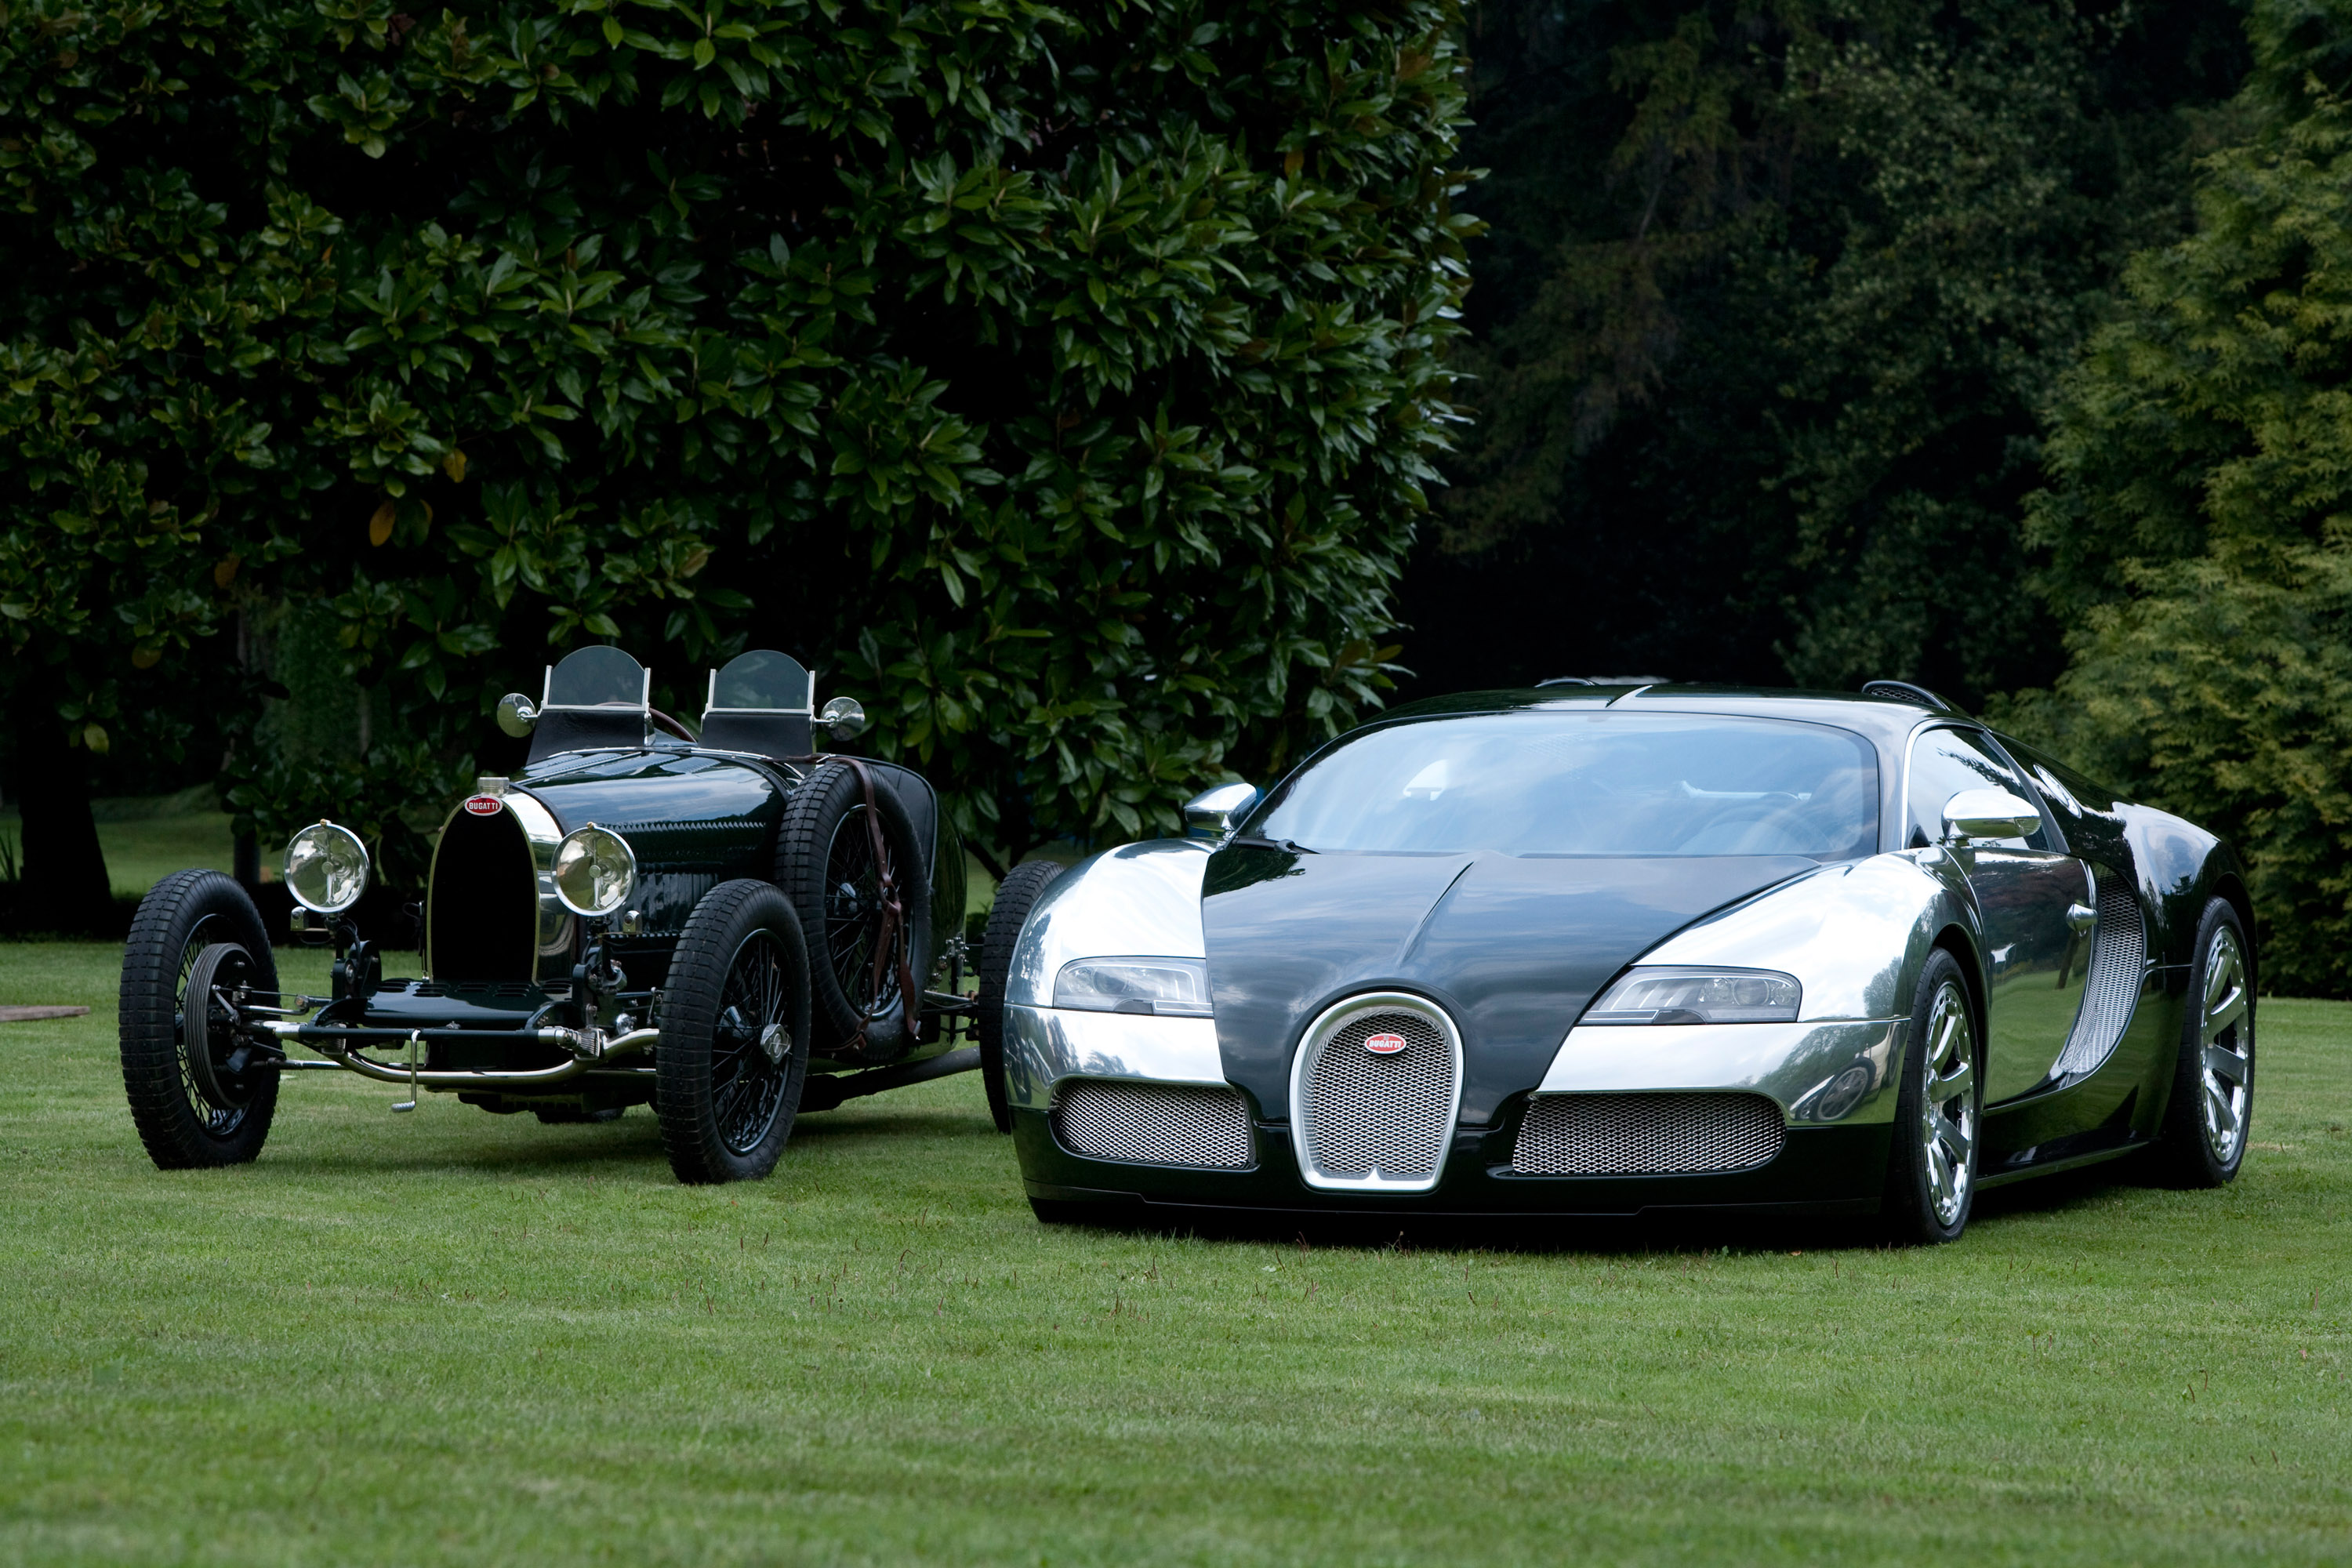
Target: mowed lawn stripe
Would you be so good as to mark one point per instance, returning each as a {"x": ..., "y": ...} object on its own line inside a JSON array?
[{"x": 458, "y": 1337}]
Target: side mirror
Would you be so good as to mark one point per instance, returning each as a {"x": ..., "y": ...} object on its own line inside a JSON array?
[
  {"x": 1213, "y": 812},
  {"x": 1988, "y": 813},
  {"x": 518, "y": 714},
  {"x": 845, "y": 717}
]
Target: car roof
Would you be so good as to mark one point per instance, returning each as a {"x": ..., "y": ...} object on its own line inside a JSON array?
[{"x": 1886, "y": 720}]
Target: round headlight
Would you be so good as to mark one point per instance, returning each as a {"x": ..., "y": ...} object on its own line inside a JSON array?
[
  {"x": 595, "y": 870},
  {"x": 326, "y": 868}
]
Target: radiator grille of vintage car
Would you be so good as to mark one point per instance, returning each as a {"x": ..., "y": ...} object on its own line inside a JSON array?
[
  {"x": 1372, "y": 1112},
  {"x": 481, "y": 907},
  {"x": 2112, "y": 989},
  {"x": 1153, "y": 1123},
  {"x": 1646, "y": 1134}
]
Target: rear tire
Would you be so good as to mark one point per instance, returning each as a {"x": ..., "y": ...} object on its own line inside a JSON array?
[
  {"x": 1931, "y": 1169},
  {"x": 182, "y": 917},
  {"x": 2203, "y": 1141},
  {"x": 825, "y": 864},
  {"x": 1016, "y": 897},
  {"x": 734, "y": 1044}
]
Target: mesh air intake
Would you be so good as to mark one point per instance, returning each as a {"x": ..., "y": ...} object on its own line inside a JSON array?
[
  {"x": 2111, "y": 991},
  {"x": 1153, "y": 1123},
  {"x": 1371, "y": 1111},
  {"x": 1646, "y": 1134}
]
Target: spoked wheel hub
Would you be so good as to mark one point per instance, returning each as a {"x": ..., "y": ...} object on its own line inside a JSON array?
[
  {"x": 1947, "y": 1128},
  {"x": 2225, "y": 1039},
  {"x": 750, "y": 1044}
]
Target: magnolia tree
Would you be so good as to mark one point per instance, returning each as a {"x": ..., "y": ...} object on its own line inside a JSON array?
[{"x": 1062, "y": 383}]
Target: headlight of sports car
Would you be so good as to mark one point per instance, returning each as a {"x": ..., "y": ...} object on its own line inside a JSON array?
[
  {"x": 326, "y": 868},
  {"x": 1665, "y": 994},
  {"x": 1165, "y": 988},
  {"x": 595, "y": 870}
]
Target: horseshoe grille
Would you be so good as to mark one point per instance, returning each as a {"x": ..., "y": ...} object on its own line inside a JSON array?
[{"x": 1380, "y": 1122}]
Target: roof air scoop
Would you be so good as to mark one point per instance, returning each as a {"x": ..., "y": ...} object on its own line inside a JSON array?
[{"x": 1904, "y": 691}]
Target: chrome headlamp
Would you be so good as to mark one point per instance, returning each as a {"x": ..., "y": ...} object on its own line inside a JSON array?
[
  {"x": 1671, "y": 993},
  {"x": 326, "y": 868},
  {"x": 595, "y": 870},
  {"x": 1162, "y": 988}
]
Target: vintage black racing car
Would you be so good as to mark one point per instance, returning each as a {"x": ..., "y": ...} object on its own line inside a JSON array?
[
  {"x": 1606, "y": 948},
  {"x": 725, "y": 924}
]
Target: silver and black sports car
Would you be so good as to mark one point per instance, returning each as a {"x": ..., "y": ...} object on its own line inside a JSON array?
[{"x": 1603, "y": 948}]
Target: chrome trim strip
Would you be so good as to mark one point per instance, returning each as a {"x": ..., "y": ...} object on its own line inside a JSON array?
[
  {"x": 1311, "y": 1047},
  {"x": 1788, "y": 1063},
  {"x": 1043, "y": 1046}
]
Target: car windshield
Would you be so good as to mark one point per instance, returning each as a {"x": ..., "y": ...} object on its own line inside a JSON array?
[
  {"x": 762, "y": 681},
  {"x": 1586, "y": 783},
  {"x": 597, "y": 678}
]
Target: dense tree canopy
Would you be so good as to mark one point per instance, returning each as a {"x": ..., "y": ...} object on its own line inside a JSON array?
[
  {"x": 1773, "y": 301},
  {"x": 2199, "y": 531},
  {"x": 1063, "y": 382}
]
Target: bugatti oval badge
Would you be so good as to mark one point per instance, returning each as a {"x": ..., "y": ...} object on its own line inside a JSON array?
[
  {"x": 1384, "y": 1044},
  {"x": 482, "y": 805}
]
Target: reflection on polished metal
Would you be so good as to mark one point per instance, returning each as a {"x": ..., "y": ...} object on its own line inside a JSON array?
[
  {"x": 1988, "y": 813},
  {"x": 844, "y": 717},
  {"x": 595, "y": 870},
  {"x": 1043, "y": 1046},
  {"x": 1139, "y": 898},
  {"x": 1376, "y": 1124},
  {"x": 1213, "y": 812},
  {"x": 326, "y": 868},
  {"x": 1801, "y": 1068},
  {"x": 1854, "y": 935},
  {"x": 1948, "y": 1103},
  {"x": 410, "y": 1104},
  {"x": 2225, "y": 1042},
  {"x": 518, "y": 714},
  {"x": 1153, "y": 1123}
]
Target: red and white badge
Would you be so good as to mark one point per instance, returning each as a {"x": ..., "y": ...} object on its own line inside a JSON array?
[
  {"x": 482, "y": 805},
  {"x": 1384, "y": 1044}
]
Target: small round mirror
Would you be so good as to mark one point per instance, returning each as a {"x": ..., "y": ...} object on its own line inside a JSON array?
[
  {"x": 326, "y": 868},
  {"x": 845, "y": 716},
  {"x": 595, "y": 870},
  {"x": 518, "y": 714}
]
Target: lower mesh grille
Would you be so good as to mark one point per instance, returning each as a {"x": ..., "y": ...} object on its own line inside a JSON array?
[
  {"x": 2111, "y": 990},
  {"x": 1364, "y": 1113},
  {"x": 1153, "y": 1123},
  {"x": 1646, "y": 1134}
]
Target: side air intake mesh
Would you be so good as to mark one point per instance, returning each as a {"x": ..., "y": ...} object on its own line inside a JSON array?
[
  {"x": 1646, "y": 1134},
  {"x": 1363, "y": 1114},
  {"x": 1153, "y": 1123},
  {"x": 2111, "y": 991}
]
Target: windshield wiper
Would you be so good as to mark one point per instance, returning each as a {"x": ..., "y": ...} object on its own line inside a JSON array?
[{"x": 1255, "y": 841}]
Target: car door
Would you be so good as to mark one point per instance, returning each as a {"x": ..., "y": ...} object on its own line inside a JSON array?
[{"x": 2038, "y": 913}]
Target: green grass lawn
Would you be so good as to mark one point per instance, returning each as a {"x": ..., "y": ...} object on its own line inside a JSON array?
[{"x": 455, "y": 1337}]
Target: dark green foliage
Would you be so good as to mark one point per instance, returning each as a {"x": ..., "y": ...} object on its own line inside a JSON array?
[
  {"x": 1773, "y": 301},
  {"x": 1062, "y": 383},
  {"x": 2198, "y": 526}
]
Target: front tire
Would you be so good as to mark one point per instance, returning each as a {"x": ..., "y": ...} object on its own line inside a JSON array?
[
  {"x": 1016, "y": 897},
  {"x": 2212, "y": 1104},
  {"x": 1931, "y": 1176},
  {"x": 192, "y": 1115},
  {"x": 734, "y": 1044}
]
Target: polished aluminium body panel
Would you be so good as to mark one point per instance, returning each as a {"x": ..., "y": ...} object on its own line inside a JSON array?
[
  {"x": 1043, "y": 1046},
  {"x": 1791, "y": 1064}
]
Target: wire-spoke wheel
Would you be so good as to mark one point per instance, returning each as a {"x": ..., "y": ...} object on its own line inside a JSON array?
[
  {"x": 2204, "y": 1139},
  {"x": 198, "y": 1096},
  {"x": 855, "y": 875},
  {"x": 1932, "y": 1169},
  {"x": 734, "y": 1044}
]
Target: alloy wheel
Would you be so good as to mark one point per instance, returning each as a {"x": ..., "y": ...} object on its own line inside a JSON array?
[
  {"x": 1947, "y": 1107},
  {"x": 2225, "y": 1040}
]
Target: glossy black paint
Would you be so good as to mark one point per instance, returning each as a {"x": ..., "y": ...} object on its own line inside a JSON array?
[{"x": 1512, "y": 947}]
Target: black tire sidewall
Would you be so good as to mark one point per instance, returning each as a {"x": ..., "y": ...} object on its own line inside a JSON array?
[
  {"x": 1908, "y": 1209},
  {"x": 719, "y": 925},
  {"x": 2187, "y": 1159},
  {"x": 1016, "y": 897},
  {"x": 176, "y": 1134},
  {"x": 815, "y": 814}
]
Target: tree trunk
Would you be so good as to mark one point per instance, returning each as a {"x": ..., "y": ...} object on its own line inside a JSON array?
[{"x": 64, "y": 885}]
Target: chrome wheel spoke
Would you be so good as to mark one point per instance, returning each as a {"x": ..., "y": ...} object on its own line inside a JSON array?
[
  {"x": 2226, "y": 1016},
  {"x": 2225, "y": 1046},
  {"x": 2222, "y": 1063}
]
